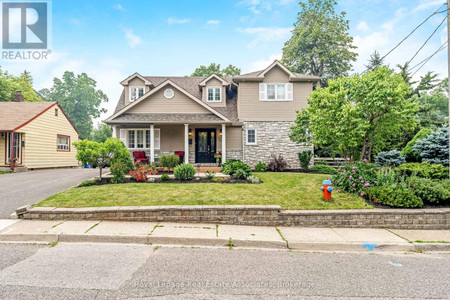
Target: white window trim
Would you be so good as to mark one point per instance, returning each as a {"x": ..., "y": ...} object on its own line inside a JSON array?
[
  {"x": 135, "y": 87},
  {"x": 157, "y": 141},
  {"x": 214, "y": 93},
  {"x": 289, "y": 95},
  {"x": 246, "y": 136},
  {"x": 63, "y": 147}
]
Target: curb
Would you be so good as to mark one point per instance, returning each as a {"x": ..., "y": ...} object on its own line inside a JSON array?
[{"x": 219, "y": 242}]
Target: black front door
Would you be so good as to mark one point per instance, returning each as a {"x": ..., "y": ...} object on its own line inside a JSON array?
[{"x": 205, "y": 145}]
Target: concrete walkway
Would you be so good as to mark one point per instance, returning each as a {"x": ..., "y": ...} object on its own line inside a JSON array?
[
  {"x": 19, "y": 189},
  {"x": 294, "y": 238}
]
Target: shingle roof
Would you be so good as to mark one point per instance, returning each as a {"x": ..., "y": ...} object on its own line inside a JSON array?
[
  {"x": 15, "y": 114},
  {"x": 172, "y": 118},
  {"x": 297, "y": 75}
]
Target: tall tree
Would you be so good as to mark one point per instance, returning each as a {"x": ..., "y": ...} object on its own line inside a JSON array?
[
  {"x": 78, "y": 96},
  {"x": 320, "y": 44},
  {"x": 356, "y": 116},
  {"x": 205, "y": 71},
  {"x": 427, "y": 82},
  {"x": 375, "y": 61},
  {"x": 9, "y": 84},
  {"x": 101, "y": 133}
]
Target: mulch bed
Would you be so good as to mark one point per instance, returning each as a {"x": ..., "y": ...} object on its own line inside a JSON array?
[{"x": 105, "y": 181}]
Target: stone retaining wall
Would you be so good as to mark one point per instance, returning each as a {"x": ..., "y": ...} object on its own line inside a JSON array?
[{"x": 259, "y": 215}]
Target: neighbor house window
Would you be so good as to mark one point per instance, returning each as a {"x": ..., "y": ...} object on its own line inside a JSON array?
[
  {"x": 140, "y": 138},
  {"x": 251, "y": 137},
  {"x": 63, "y": 143},
  {"x": 136, "y": 92},
  {"x": 275, "y": 91},
  {"x": 214, "y": 94}
]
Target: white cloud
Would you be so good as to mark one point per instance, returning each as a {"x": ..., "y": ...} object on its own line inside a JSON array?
[
  {"x": 258, "y": 6},
  {"x": 118, "y": 6},
  {"x": 427, "y": 4},
  {"x": 266, "y": 34},
  {"x": 287, "y": 2},
  {"x": 261, "y": 64},
  {"x": 172, "y": 20},
  {"x": 213, "y": 22},
  {"x": 133, "y": 40},
  {"x": 362, "y": 26}
]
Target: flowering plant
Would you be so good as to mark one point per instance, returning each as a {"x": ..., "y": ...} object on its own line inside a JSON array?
[
  {"x": 140, "y": 173},
  {"x": 356, "y": 177}
]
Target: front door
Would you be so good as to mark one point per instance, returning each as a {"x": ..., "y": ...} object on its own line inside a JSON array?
[{"x": 205, "y": 145}]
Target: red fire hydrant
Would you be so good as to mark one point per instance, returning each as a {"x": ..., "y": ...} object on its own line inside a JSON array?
[{"x": 327, "y": 188}]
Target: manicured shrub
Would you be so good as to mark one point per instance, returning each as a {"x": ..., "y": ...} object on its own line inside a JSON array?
[
  {"x": 169, "y": 161},
  {"x": 184, "y": 172},
  {"x": 356, "y": 177},
  {"x": 391, "y": 158},
  {"x": 261, "y": 167},
  {"x": 231, "y": 166},
  {"x": 434, "y": 148},
  {"x": 430, "y": 191},
  {"x": 411, "y": 155},
  {"x": 240, "y": 174},
  {"x": 253, "y": 179},
  {"x": 165, "y": 177},
  {"x": 305, "y": 158},
  {"x": 395, "y": 196},
  {"x": 323, "y": 169},
  {"x": 277, "y": 163},
  {"x": 424, "y": 170}
]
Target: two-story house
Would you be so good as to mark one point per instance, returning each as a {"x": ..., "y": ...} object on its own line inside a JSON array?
[{"x": 246, "y": 117}]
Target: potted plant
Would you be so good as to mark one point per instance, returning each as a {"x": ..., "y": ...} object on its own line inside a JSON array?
[{"x": 218, "y": 157}]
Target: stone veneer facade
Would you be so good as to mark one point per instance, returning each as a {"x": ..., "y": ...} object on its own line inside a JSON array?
[{"x": 271, "y": 137}]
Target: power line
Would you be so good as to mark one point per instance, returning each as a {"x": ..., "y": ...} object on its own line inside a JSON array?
[
  {"x": 423, "y": 45},
  {"x": 414, "y": 30},
  {"x": 438, "y": 50},
  {"x": 428, "y": 59}
]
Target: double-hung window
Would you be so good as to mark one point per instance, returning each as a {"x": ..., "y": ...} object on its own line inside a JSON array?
[
  {"x": 275, "y": 92},
  {"x": 251, "y": 137},
  {"x": 213, "y": 94},
  {"x": 141, "y": 138},
  {"x": 63, "y": 143},
  {"x": 136, "y": 92}
]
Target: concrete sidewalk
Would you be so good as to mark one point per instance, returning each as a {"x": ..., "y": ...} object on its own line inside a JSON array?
[{"x": 295, "y": 238}]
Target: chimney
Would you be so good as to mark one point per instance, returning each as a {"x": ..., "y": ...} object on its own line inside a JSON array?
[{"x": 18, "y": 97}]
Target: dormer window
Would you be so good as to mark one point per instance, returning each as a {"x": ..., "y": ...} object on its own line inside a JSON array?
[
  {"x": 214, "y": 94},
  {"x": 136, "y": 92}
]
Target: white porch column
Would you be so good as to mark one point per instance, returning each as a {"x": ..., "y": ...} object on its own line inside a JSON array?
[
  {"x": 114, "y": 131},
  {"x": 186, "y": 143},
  {"x": 152, "y": 143},
  {"x": 224, "y": 144}
]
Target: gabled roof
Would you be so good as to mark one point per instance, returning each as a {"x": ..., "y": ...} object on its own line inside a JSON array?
[
  {"x": 276, "y": 63},
  {"x": 203, "y": 83},
  {"x": 136, "y": 74},
  {"x": 14, "y": 115},
  {"x": 159, "y": 87}
]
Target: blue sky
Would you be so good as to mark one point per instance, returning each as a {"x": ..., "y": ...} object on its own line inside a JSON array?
[{"x": 110, "y": 40}]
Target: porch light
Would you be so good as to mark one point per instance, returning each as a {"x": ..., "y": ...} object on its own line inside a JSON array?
[
  {"x": 190, "y": 132},
  {"x": 220, "y": 132}
]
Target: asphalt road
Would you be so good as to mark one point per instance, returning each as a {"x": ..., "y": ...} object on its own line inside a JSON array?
[
  {"x": 114, "y": 271},
  {"x": 24, "y": 188}
]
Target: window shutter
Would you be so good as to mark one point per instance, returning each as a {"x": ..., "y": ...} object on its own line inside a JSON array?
[
  {"x": 157, "y": 138},
  {"x": 262, "y": 91},
  {"x": 123, "y": 136},
  {"x": 290, "y": 91}
]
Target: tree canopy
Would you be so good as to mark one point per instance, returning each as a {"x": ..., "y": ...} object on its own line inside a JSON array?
[
  {"x": 205, "y": 71},
  {"x": 78, "y": 96},
  {"x": 356, "y": 116},
  {"x": 9, "y": 84},
  {"x": 320, "y": 44},
  {"x": 101, "y": 133},
  {"x": 375, "y": 61}
]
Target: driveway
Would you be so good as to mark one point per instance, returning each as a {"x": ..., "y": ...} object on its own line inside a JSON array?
[{"x": 20, "y": 189}]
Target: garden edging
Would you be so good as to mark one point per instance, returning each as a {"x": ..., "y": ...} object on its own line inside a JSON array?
[{"x": 259, "y": 215}]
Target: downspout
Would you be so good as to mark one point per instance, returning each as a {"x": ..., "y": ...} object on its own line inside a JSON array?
[{"x": 11, "y": 149}]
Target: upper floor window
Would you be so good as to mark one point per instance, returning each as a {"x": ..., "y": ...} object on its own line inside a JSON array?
[
  {"x": 275, "y": 92},
  {"x": 63, "y": 143},
  {"x": 214, "y": 94},
  {"x": 136, "y": 92}
]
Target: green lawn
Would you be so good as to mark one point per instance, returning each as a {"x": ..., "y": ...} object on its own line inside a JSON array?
[
  {"x": 4, "y": 172},
  {"x": 289, "y": 190}
]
